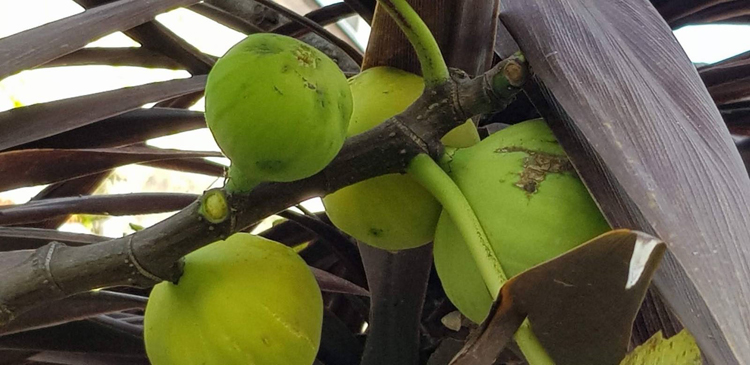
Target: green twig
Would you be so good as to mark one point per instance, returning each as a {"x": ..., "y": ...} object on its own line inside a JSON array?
[
  {"x": 427, "y": 172},
  {"x": 238, "y": 182}
]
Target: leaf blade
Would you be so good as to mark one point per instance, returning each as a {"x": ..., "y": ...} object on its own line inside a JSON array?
[
  {"x": 42, "y": 44},
  {"x": 622, "y": 77},
  {"x": 44, "y": 166},
  {"x": 34, "y": 122}
]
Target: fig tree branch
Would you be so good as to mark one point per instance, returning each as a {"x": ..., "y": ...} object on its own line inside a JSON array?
[{"x": 146, "y": 257}]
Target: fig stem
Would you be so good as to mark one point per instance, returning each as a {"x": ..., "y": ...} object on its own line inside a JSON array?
[
  {"x": 530, "y": 346},
  {"x": 429, "y": 174},
  {"x": 433, "y": 178},
  {"x": 434, "y": 69},
  {"x": 238, "y": 182}
]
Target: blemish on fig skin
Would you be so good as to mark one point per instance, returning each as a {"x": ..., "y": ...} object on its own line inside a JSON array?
[
  {"x": 265, "y": 49},
  {"x": 306, "y": 57},
  {"x": 377, "y": 232},
  {"x": 321, "y": 96},
  {"x": 536, "y": 166},
  {"x": 270, "y": 165}
]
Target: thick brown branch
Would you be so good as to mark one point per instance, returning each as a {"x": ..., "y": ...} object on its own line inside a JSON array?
[{"x": 146, "y": 257}]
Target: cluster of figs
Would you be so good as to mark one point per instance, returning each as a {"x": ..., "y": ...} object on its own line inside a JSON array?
[{"x": 281, "y": 110}]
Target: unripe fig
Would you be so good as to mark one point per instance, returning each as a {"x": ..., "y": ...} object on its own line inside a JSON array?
[
  {"x": 277, "y": 107},
  {"x": 530, "y": 202},
  {"x": 391, "y": 211},
  {"x": 244, "y": 300}
]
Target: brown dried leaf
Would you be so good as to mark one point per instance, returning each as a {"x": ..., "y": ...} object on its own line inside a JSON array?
[{"x": 581, "y": 305}]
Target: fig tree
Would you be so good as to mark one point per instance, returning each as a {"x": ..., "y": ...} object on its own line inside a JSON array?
[
  {"x": 391, "y": 211},
  {"x": 278, "y": 108},
  {"x": 529, "y": 201},
  {"x": 244, "y": 300}
]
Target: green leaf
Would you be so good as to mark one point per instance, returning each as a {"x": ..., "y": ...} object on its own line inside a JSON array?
[{"x": 679, "y": 349}]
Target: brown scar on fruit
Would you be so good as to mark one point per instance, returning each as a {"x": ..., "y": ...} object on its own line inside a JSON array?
[
  {"x": 306, "y": 57},
  {"x": 536, "y": 166}
]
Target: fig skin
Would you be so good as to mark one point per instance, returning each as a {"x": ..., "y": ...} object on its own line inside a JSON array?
[
  {"x": 278, "y": 108},
  {"x": 393, "y": 211},
  {"x": 530, "y": 202},
  {"x": 245, "y": 300}
]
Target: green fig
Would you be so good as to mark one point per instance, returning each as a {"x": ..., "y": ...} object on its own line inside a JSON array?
[
  {"x": 244, "y": 300},
  {"x": 278, "y": 108},
  {"x": 393, "y": 211},
  {"x": 530, "y": 202}
]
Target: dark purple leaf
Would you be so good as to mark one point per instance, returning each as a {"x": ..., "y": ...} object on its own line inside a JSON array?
[
  {"x": 343, "y": 246},
  {"x": 725, "y": 62},
  {"x": 365, "y": 8},
  {"x": 80, "y": 186},
  {"x": 654, "y": 317},
  {"x": 155, "y": 36},
  {"x": 673, "y": 10},
  {"x": 335, "y": 284},
  {"x": 37, "y": 167},
  {"x": 473, "y": 40},
  {"x": 737, "y": 120},
  {"x": 744, "y": 148},
  {"x": 289, "y": 233},
  {"x": 714, "y": 14},
  {"x": 128, "y": 128},
  {"x": 734, "y": 91},
  {"x": 34, "y": 122},
  {"x": 119, "y": 325},
  {"x": 127, "y": 317},
  {"x": 726, "y": 70},
  {"x": 24, "y": 238},
  {"x": 126, "y": 56},
  {"x": 10, "y": 357},
  {"x": 323, "y": 16},
  {"x": 617, "y": 71},
  {"x": 73, "y": 308},
  {"x": 397, "y": 282},
  {"x": 338, "y": 346},
  {"x": 353, "y": 53},
  {"x": 115, "y": 204},
  {"x": 192, "y": 165},
  {"x": 42, "y": 44},
  {"x": 250, "y": 11},
  {"x": 77, "y": 337},
  {"x": 78, "y": 358},
  {"x": 228, "y": 19}
]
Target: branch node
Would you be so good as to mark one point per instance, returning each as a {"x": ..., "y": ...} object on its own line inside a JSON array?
[
  {"x": 507, "y": 80},
  {"x": 134, "y": 262},
  {"x": 414, "y": 136},
  {"x": 459, "y": 77},
  {"x": 42, "y": 262},
  {"x": 6, "y": 315}
]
